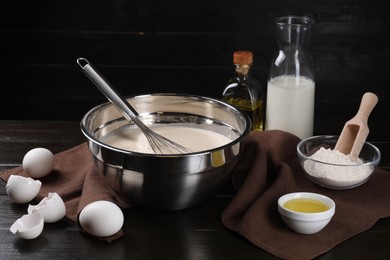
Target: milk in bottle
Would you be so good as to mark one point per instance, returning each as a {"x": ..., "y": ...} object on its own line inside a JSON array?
[{"x": 290, "y": 106}]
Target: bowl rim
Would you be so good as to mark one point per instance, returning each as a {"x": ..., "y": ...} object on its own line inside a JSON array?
[
  {"x": 306, "y": 216},
  {"x": 91, "y": 138},
  {"x": 305, "y": 157}
]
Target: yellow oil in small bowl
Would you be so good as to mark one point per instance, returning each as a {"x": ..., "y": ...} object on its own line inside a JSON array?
[{"x": 306, "y": 205}]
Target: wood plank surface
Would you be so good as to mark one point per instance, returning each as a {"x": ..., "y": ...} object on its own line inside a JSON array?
[
  {"x": 176, "y": 46},
  {"x": 195, "y": 233}
]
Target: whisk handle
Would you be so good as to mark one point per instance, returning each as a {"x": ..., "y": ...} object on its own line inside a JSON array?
[{"x": 110, "y": 92}]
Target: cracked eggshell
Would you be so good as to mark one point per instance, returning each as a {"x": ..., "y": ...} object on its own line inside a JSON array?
[
  {"x": 101, "y": 218},
  {"x": 29, "y": 226},
  {"x": 22, "y": 189},
  {"x": 51, "y": 207},
  {"x": 38, "y": 162}
]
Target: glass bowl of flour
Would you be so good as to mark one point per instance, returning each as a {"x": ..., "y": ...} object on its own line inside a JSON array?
[{"x": 330, "y": 168}]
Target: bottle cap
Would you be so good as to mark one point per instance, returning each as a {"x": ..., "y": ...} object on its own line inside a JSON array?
[{"x": 243, "y": 57}]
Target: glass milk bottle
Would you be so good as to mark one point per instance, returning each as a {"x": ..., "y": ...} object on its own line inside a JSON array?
[
  {"x": 291, "y": 87},
  {"x": 244, "y": 91}
]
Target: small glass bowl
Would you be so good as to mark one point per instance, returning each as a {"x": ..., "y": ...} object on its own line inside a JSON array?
[{"x": 333, "y": 175}]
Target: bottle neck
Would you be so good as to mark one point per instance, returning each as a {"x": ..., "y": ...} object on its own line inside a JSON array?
[
  {"x": 242, "y": 70},
  {"x": 293, "y": 32}
]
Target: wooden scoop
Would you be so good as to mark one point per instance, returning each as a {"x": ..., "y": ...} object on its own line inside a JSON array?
[{"x": 355, "y": 130}]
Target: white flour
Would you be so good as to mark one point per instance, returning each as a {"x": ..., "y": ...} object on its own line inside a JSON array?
[{"x": 353, "y": 172}]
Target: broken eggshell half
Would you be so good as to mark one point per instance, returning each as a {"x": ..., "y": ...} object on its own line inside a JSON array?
[
  {"x": 51, "y": 207},
  {"x": 22, "y": 189},
  {"x": 29, "y": 226}
]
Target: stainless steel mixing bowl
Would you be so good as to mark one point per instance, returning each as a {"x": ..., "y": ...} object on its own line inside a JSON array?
[{"x": 169, "y": 182}]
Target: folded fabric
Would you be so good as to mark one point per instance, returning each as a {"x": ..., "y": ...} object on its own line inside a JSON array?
[
  {"x": 268, "y": 169},
  {"x": 76, "y": 180}
]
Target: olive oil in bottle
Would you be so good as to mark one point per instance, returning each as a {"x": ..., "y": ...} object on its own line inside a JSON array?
[{"x": 245, "y": 92}]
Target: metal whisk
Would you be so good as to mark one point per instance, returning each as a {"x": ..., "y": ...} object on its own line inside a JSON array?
[{"x": 159, "y": 143}]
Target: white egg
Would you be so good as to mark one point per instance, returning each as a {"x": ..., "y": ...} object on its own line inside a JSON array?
[
  {"x": 51, "y": 207},
  {"x": 28, "y": 226},
  {"x": 22, "y": 189},
  {"x": 101, "y": 218},
  {"x": 38, "y": 162}
]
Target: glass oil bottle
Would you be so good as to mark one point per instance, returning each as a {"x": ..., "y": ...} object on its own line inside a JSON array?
[{"x": 244, "y": 91}]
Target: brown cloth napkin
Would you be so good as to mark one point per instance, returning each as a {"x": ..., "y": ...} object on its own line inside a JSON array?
[
  {"x": 268, "y": 169},
  {"x": 76, "y": 180}
]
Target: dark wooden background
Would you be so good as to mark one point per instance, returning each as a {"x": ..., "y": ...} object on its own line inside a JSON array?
[{"x": 145, "y": 46}]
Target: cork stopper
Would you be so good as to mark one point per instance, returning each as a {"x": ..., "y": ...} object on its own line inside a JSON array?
[{"x": 243, "y": 57}]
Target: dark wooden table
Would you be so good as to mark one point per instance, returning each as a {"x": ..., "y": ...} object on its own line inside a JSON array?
[{"x": 196, "y": 233}]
